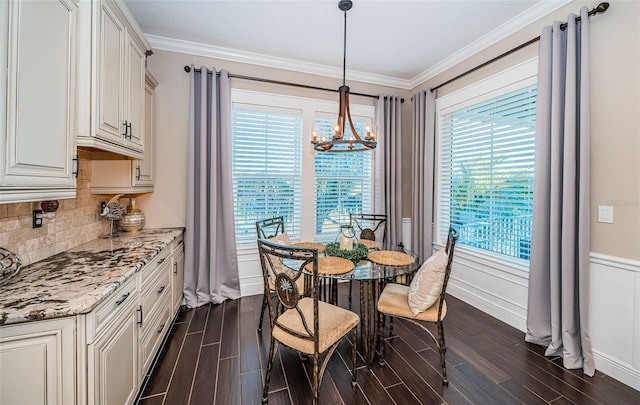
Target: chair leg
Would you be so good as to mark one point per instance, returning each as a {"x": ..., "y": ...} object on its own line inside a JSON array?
[
  {"x": 267, "y": 377},
  {"x": 353, "y": 357},
  {"x": 264, "y": 306},
  {"x": 316, "y": 380},
  {"x": 381, "y": 361},
  {"x": 442, "y": 349}
]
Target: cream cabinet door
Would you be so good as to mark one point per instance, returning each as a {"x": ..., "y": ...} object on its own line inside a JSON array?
[
  {"x": 144, "y": 169},
  {"x": 111, "y": 123},
  {"x": 38, "y": 47},
  {"x": 178, "y": 275},
  {"x": 37, "y": 363},
  {"x": 113, "y": 362},
  {"x": 134, "y": 111}
]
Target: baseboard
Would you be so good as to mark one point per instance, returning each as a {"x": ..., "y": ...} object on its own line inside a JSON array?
[
  {"x": 617, "y": 370},
  {"x": 489, "y": 307}
]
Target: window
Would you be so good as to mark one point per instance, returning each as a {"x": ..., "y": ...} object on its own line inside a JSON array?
[
  {"x": 266, "y": 166},
  {"x": 486, "y": 160},
  {"x": 342, "y": 185},
  {"x": 277, "y": 172}
]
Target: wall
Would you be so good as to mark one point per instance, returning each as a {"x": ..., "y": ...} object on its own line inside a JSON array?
[
  {"x": 76, "y": 222},
  {"x": 500, "y": 288}
]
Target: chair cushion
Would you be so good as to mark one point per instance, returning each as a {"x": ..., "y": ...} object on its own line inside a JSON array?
[
  {"x": 333, "y": 323},
  {"x": 281, "y": 239},
  {"x": 393, "y": 301},
  {"x": 427, "y": 283}
]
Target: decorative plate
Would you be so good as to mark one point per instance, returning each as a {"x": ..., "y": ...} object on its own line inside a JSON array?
[
  {"x": 332, "y": 266},
  {"x": 313, "y": 245},
  {"x": 390, "y": 258}
]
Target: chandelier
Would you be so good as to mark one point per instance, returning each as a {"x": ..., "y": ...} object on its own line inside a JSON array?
[{"x": 342, "y": 140}]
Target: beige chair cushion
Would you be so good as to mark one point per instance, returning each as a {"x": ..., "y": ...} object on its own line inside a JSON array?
[
  {"x": 427, "y": 283},
  {"x": 333, "y": 323},
  {"x": 281, "y": 239},
  {"x": 393, "y": 301}
]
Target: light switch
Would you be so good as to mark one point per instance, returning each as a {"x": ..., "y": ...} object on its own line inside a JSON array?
[{"x": 605, "y": 214}]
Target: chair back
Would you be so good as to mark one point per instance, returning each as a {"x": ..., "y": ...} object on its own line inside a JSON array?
[
  {"x": 268, "y": 228},
  {"x": 369, "y": 226},
  {"x": 286, "y": 289},
  {"x": 452, "y": 237}
]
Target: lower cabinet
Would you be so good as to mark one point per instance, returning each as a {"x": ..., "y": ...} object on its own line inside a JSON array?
[
  {"x": 178, "y": 274},
  {"x": 98, "y": 358},
  {"x": 113, "y": 361},
  {"x": 37, "y": 362}
]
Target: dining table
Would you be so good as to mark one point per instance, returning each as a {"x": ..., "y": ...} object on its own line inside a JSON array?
[{"x": 372, "y": 273}]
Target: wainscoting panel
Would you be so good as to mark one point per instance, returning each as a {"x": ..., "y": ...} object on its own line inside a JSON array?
[
  {"x": 615, "y": 317},
  {"x": 497, "y": 288}
]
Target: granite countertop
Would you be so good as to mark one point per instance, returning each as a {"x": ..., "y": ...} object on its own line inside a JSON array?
[{"x": 76, "y": 281}]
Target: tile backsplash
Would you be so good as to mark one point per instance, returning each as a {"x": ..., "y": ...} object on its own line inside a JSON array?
[{"x": 77, "y": 221}]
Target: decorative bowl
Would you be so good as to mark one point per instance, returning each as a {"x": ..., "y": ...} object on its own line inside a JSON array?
[{"x": 9, "y": 265}]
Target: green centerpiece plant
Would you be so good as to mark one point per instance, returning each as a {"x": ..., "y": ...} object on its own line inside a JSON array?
[{"x": 358, "y": 253}]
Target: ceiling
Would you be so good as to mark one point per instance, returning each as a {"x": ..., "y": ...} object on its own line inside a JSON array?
[{"x": 388, "y": 42}]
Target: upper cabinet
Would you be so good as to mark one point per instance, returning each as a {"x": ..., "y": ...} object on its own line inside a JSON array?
[
  {"x": 111, "y": 80},
  {"x": 129, "y": 176},
  {"x": 38, "y": 44}
]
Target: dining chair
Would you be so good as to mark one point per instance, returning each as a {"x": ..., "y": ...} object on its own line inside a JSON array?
[
  {"x": 307, "y": 325},
  {"x": 270, "y": 228},
  {"x": 368, "y": 226},
  {"x": 423, "y": 301}
]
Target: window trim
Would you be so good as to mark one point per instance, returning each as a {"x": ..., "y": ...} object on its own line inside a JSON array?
[{"x": 512, "y": 79}]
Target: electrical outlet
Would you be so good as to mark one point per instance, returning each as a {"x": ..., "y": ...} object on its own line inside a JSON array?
[
  {"x": 37, "y": 219},
  {"x": 103, "y": 205}
]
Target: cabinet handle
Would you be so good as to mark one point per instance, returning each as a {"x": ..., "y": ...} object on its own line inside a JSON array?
[
  {"x": 175, "y": 268},
  {"x": 138, "y": 172},
  {"x": 126, "y": 129},
  {"x": 124, "y": 297},
  {"x": 161, "y": 290},
  {"x": 129, "y": 130},
  {"x": 160, "y": 328},
  {"x": 161, "y": 260},
  {"x": 77, "y": 164},
  {"x": 140, "y": 311}
]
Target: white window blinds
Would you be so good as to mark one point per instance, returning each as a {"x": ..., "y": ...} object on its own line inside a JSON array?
[
  {"x": 486, "y": 161},
  {"x": 343, "y": 183},
  {"x": 267, "y": 170}
]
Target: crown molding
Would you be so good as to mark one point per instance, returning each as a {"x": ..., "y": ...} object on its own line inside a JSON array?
[
  {"x": 530, "y": 15},
  {"x": 510, "y": 27},
  {"x": 217, "y": 52}
]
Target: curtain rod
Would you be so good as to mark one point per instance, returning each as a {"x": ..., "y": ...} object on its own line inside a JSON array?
[
  {"x": 600, "y": 8},
  {"x": 271, "y": 81}
]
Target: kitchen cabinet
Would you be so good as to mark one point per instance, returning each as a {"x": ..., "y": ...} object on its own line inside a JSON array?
[
  {"x": 178, "y": 274},
  {"x": 111, "y": 82},
  {"x": 130, "y": 176},
  {"x": 155, "y": 280},
  {"x": 38, "y": 55},
  {"x": 37, "y": 362}
]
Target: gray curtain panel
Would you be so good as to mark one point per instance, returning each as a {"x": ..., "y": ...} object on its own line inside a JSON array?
[
  {"x": 557, "y": 314},
  {"x": 211, "y": 265},
  {"x": 423, "y": 146},
  {"x": 388, "y": 169}
]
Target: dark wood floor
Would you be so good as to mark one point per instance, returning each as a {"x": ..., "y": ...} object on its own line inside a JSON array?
[{"x": 214, "y": 355}]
